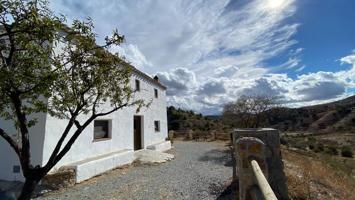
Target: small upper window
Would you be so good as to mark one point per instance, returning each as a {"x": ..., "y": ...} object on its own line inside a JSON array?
[
  {"x": 16, "y": 169},
  {"x": 138, "y": 85},
  {"x": 101, "y": 129},
  {"x": 156, "y": 93},
  {"x": 157, "y": 126}
]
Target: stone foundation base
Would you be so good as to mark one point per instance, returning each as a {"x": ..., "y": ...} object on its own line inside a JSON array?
[
  {"x": 89, "y": 168},
  {"x": 86, "y": 169}
]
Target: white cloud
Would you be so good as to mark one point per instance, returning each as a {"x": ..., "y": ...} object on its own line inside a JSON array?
[
  {"x": 132, "y": 54},
  {"x": 212, "y": 87},
  {"x": 178, "y": 81},
  {"x": 198, "y": 34},
  {"x": 300, "y": 68},
  {"x": 348, "y": 75},
  {"x": 268, "y": 85},
  {"x": 318, "y": 86},
  {"x": 211, "y": 52},
  {"x": 348, "y": 59}
]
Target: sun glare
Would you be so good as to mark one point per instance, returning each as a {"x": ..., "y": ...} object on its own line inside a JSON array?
[{"x": 275, "y": 3}]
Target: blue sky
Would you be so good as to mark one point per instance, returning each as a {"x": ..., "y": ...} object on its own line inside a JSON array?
[
  {"x": 326, "y": 33},
  {"x": 210, "y": 52}
]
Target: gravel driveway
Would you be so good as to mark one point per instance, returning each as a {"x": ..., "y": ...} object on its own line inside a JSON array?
[{"x": 200, "y": 170}]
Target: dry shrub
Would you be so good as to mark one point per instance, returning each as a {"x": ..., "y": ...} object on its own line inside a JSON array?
[
  {"x": 299, "y": 186},
  {"x": 309, "y": 178},
  {"x": 62, "y": 178}
]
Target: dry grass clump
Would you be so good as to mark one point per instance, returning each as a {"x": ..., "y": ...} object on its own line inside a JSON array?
[{"x": 311, "y": 178}]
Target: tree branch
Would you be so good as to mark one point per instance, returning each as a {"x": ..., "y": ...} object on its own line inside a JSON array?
[
  {"x": 77, "y": 133},
  {"x": 77, "y": 124},
  {"x": 69, "y": 144},
  {"x": 95, "y": 103},
  {"x": 57, "y": 148},
  {"x": 65, "y": 133},
  {"x": 11, "y": 142},
  {"x": 113, "y": 110},
  {"x": 25, "y": 139}
]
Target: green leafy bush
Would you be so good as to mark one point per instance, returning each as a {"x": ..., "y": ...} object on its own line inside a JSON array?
[
  {"x": 300, "y": 145},
  {"x": 346, "y": 152},
  {"x": 331, "y": 150},
  {"x": 312, "y": 140},
  {"x": 283, "y": 141},
  {"x": 311, "y": 146},
  {"x": 319, "y": 147}
]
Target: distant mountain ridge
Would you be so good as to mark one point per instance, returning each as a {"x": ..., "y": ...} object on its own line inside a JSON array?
[
  {"x": 338, "y": 116},
  {"x": 330, "y": 117},
  {"x": 182, "y": 120}
]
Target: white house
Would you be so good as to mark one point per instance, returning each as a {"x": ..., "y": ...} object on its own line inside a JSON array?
[{"x": 107, "y": 143}]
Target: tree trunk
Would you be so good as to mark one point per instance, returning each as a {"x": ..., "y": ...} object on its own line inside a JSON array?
[{"x": 28, "y": 188}]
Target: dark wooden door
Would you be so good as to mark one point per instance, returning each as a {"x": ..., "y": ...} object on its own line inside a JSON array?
[{"x": 137, "y": 132}]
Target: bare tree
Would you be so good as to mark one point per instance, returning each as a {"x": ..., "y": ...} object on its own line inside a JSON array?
[{"x": 249, "y": 111}]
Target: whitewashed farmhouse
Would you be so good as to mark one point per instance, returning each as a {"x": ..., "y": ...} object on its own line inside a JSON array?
[{"x": 107, "y": 143}]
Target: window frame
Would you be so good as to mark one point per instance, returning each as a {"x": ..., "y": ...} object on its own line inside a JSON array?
[
  {"x": 137, "y": 85},
  {"x": 108, "y": 136},
  {"x": 157, "y": 126},
  {"x": 156, "y": 93}
]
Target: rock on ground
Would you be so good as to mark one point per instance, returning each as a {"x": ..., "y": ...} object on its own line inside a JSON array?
[{"x": 151, "y": 156}]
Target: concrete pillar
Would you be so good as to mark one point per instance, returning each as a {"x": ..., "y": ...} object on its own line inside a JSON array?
[
  {"x": 171, "y": 136},
  {"x": 271, "y": 139},
  {"x": 214, "y": 135},
  {"x": 190, "y": 134},
  {"x": 248, "y": 149}
]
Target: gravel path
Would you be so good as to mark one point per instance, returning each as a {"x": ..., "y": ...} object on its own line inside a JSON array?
[{"x": 200, "y": 170}]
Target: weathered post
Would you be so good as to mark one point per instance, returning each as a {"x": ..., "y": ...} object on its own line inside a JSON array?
[
  {"x": 190, "y": 134},
  {"x": 234, "y": 155},
  {"x": 271, "y": 139},
  {"x": 249, "y": 149},
  {"x": 171, "y": 136},
  {"x": 213, "y": 134}
]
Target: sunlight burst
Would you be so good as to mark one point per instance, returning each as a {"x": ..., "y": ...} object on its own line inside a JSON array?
[{"x": 275, "y": 4}]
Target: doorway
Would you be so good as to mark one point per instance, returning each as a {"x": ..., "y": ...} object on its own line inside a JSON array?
[{"x": 138, "y": 122}]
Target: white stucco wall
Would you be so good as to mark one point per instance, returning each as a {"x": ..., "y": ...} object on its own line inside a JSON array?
[
  {"x": 8, "y": 157},
  {"x": 121, "y": 132},
  {"x": 46, "y": 133}
]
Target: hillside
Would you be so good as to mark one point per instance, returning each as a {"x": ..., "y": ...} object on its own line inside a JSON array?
[
  {"x": 181, "y": 120},
  {"x": 324, "y": 118},
  {"x": 338, "y": 116}
]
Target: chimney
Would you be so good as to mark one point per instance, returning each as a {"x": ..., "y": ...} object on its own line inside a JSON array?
[{"x": 156, "y": 78}]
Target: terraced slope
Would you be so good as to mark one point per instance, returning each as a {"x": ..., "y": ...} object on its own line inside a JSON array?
[{"x": 330, "y": 117}]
